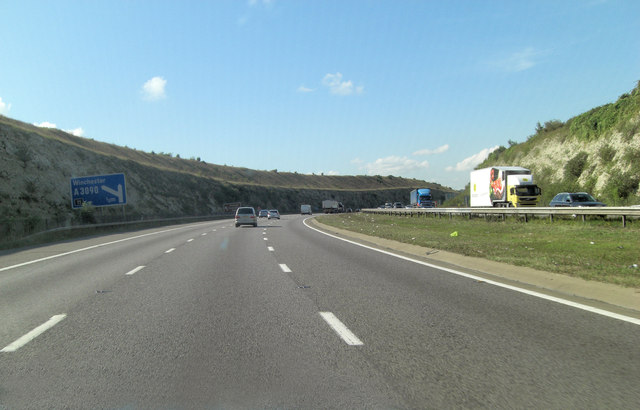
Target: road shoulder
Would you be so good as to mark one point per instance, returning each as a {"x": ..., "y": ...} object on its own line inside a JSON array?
[{"x": 610, "y": 297}]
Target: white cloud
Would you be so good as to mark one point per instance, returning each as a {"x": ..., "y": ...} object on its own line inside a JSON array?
[
  {"x": 357, "y": 161},
  {"x": 471, "y": 162},
  {"x": 153, "y": 89},
  {"x": 337, "y": 86},
  {"x": 394, "y": 165},
  {"x": 303, "y": 89},
  {"x": 520, "y": 60},
  {"x": 438, "y": 150},
  {"x": 4, "y": 107},
  {"x": 78, "y": 132},
  {"x": 45, "y": 124},
  {"x": 332, "y": 173}
]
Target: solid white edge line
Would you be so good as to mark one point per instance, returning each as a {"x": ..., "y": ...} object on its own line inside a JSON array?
[
  {"x": 342, "y": 331},
  {"x": 132, "y": 271},
  {"x": 491, "y": 282},
  {"x": 285, "y": 268},
  {"x": 170, "y": 250},
  {"x": 90, "y": 247},
  {"x": 34, "y": 333}
]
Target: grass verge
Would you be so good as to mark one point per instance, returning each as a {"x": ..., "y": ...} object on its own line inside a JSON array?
[{"x": 597, "y": 250}]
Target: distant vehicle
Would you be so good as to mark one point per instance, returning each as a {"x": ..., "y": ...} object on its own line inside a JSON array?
[
  {"x": 421, "y": 198},
  {"x": 503, "y": 187},
  {"x": 398, "y": 205},
  {"x": 388, "y": 205},
  {"x": 263, "y": 213},
  {"x": 575, "y": 199},
  {"x": 246, "y": 215},
  {"x": 305, "y": 209},
  {"x": 273, "y": 214},
  {"x": 330, "y": 206}
]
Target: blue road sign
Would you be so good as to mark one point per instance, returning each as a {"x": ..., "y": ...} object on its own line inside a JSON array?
[{"x": 100, "y": 190}]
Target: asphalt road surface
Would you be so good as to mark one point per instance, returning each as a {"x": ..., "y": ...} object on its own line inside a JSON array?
[{"x": 281, "y": 316}]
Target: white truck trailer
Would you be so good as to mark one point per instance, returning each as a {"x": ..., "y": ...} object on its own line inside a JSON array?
[
  {"x": 331, "y": 206},
  {"x": 503, "y": 187}
]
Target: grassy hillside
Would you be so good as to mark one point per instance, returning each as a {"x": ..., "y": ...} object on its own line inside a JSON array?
[
  {"x": 197, "y": 167},
  {"x": 597, "y": 152},
  {"x": 37, "y": 164}
]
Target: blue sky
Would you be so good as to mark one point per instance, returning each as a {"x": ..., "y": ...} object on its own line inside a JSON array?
[{"x": 420, "y": 89}]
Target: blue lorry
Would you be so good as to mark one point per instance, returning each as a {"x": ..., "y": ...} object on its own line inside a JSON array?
[{"x": 421, "y": 198}]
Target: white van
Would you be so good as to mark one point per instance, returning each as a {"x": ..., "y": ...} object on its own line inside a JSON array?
[
  {"x": 305, "y": 209},
  {"x": 246, "y": 216}
]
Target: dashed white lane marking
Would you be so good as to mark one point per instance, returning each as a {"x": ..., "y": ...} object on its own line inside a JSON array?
[
  {"x": 190, "y": 240},
  {"x": 591, "y": 309},
  {"x": 34, "y": 333},
  {"x": 266, "y": 239},
  {"x": 342, "y": 331},
  {"x": 132, "y": 271},
  {"x": 170, "y": 250},
  {"x": 88, "y": 248},
  {"x": 204, "y": 234},
  {"x": 285, "y": 268},
  {"x": 270, "y": 248}
]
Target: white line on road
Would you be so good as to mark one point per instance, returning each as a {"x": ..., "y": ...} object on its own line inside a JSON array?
[
  {"x": 266, "y": 239},
  {"x": 342, "y": 331},
  {"x": 34, "y": 333},
  {"x": 90, "y": 247},
  {"x": 204, "y": 234},
  {"x": 285, "y": 268},
  {"x": 270, "y": 248},
  {"x": 170, "y": 250},
  {"x": 491, "y": 282},
  {"x": 132, "y": 271},
  {"x": 190, "y": 240}
]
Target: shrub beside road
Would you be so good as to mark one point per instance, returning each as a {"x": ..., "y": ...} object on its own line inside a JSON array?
[{"x": 600, "y": 250}]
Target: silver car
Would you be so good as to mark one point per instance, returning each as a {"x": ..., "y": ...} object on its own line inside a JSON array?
[{"x": 246, "y": 215}]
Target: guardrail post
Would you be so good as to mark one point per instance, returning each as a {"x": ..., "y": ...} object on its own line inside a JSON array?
[{"x": 624, "y": 221}]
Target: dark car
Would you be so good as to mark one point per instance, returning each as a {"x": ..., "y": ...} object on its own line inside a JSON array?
[{"x": 574, "y": 199}]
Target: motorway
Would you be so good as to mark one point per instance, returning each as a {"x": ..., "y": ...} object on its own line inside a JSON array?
[{"x": 282, "y": 316}]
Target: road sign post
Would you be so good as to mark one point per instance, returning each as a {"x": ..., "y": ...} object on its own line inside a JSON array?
[{"x": 99, "y": 190}]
